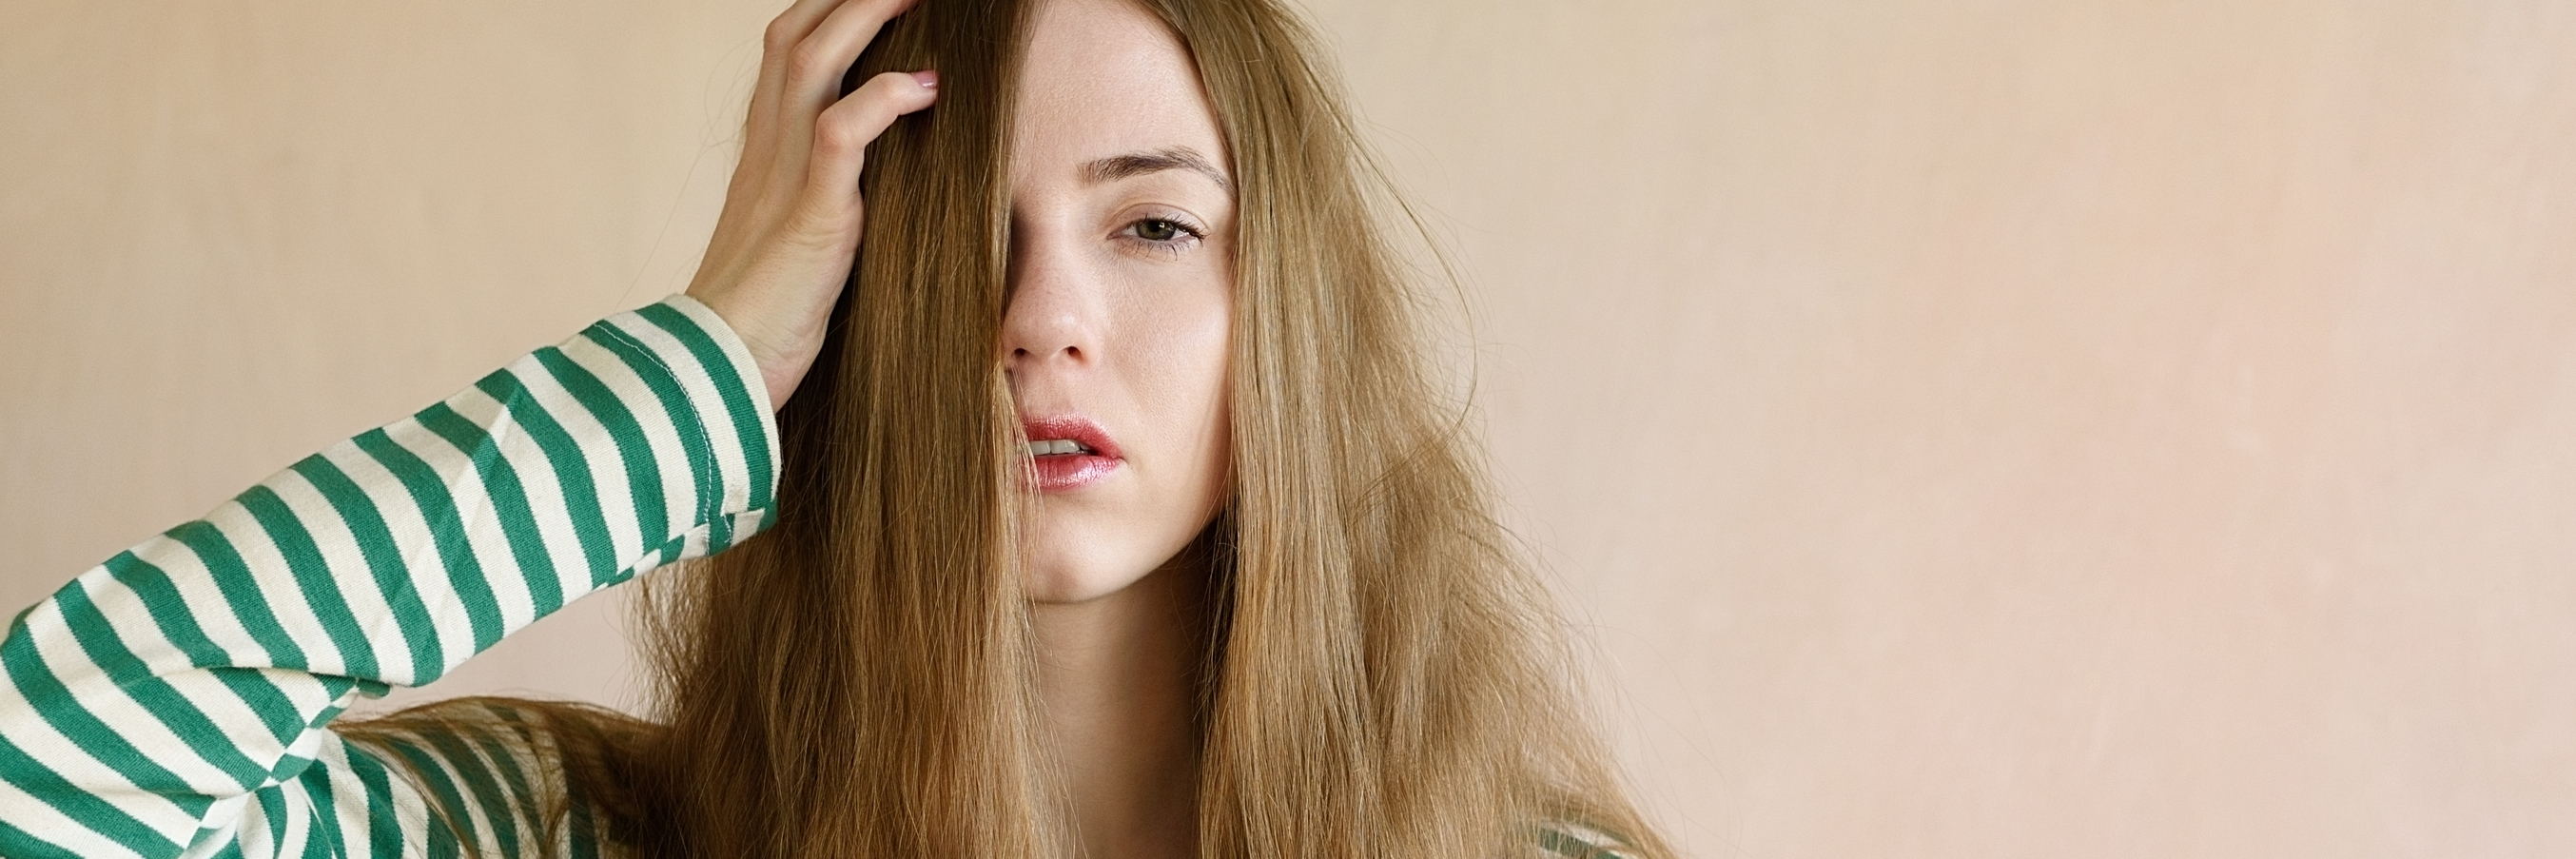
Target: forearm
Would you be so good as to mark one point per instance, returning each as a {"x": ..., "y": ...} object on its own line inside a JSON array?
[{"x": 153, "y": 692}]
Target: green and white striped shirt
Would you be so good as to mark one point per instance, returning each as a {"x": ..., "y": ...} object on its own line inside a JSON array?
[{"x": 177, "y": 699}]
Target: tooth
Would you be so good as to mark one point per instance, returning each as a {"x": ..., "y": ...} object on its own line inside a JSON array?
[
  {"x": 1057, "y": 446},
  {"x": 1037, "y": 448}
]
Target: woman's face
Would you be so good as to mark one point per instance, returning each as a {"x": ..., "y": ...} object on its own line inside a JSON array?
[{"x": 1115, "y": 339}]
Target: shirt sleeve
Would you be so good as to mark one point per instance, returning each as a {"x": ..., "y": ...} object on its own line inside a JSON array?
[{"x": 166, "y": 698}]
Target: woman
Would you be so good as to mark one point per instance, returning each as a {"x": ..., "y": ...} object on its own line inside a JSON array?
[{"x": 1113, "y": 516}]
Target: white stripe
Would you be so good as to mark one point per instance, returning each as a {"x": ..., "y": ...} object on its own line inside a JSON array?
[
  {"x": 242, "y": 726},
  {"x": 679, "y": 490},
  {"x": 277, "y": 586},
  {"x": 599, "y": 455},
  {"x": 252, "y": 833},
  {"x": 130, "y": 620},
  {"x": 417, "y": 552},
  {"x": 204, "y": 603},
  {"x": 344, "y": 804},
  {"x": 482, "y": 524},
  {"x": 713, "y": 413},
  {"x": 299, "y": 825},
  {"x": 546, "y": 504},
  {"x": 744, "y": 366},
  {"x": 211, "y": 840},
  {"x": 349, "y": 801},
  {"x": 304, "y": 693},
  {"x": 338, "y": 544},
  {"x": 104, "y": 699},
  {"x": 37, "y": 738},
  {"x": 28, "y": 813},
  {"x": 478, "y": 818}
]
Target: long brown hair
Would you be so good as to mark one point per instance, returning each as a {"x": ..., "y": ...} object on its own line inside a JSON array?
[{"x": 1385, "y": 676}]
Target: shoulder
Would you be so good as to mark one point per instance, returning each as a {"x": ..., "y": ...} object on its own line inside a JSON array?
[{"x": 492, "y": 772}]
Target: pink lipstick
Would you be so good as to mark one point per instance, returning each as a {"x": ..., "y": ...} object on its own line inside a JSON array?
[{"x": 1068, "y": 452}]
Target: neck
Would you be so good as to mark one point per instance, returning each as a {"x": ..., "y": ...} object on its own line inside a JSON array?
[{"x": 1118, "y": 680}]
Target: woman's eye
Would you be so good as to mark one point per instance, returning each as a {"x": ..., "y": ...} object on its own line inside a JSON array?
[{"x": 1170, "y": 237}]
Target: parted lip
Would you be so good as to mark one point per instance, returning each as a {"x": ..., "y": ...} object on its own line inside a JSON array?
[{"x": 1074, "y": 428}]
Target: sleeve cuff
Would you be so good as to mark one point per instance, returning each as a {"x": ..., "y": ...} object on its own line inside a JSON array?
[{"x": 728, "y": 411}]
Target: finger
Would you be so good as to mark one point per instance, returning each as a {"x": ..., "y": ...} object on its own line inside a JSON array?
[
  {"x": 777, "y": 44},
  {"x": 825, "y": 54},
  {"x": 844, "y": 130},
  {"x": 818, "y": 63}
]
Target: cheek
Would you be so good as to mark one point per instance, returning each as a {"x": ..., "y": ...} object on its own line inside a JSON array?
[
  {"x": 1185, "y": 335},
  {"x": 1173, "y": 368},
  {"x": 1215, "y": 409},
  {"x": 1191, "y": 337},
  {"x": 1209, "y": 341}
]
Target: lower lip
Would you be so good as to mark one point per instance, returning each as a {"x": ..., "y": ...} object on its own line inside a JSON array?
[{"x": 1071, "y": 471}]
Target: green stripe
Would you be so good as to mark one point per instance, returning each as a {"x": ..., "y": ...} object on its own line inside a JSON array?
[
  {"x": 241, "y": 591},
  {"x": 509, "y": 502},
  {"x": 95, "y": 814},
  {"x": 19, "y": 843},
  {"x": 434, "y": 777},
  {"x": 585, "y": 831},
  {"x": 273, "y": 808},
  {"x": 447, "y": 530},
  {"x": 488, "y": 794},
  {"x": 576, "y": 830},
  {"x": 643, "y": 475},
  {"x": 739, "y": 403},
  {"x": 98, "y": 641},
  {"x": 1563, "y": 843},
  {"x": 518, "y": 795},
  {"x": 323, "y": 837},
  {"x": 313, "y": 575},
  {"x": 684, "y": 417},
  {"x": 442, "y": 844},
  {"x": 289, "y": 767},
  {"x": 571, "y": 467},
  {"x": 179, "y": 627},
  {"x": 384, "y": 560},
  {"x": 36, "y": 682},
  {"x": 384, "y": 832}
]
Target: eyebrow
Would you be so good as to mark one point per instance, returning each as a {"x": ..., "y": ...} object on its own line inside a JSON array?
[{"x": 1134, "y": 164}]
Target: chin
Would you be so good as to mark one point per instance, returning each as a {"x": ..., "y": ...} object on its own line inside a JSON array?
[
  {"x": 1063, "y": 580},
  {"x": 1079, "y": 559}
]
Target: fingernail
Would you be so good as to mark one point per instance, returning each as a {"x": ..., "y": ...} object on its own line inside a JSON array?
[{"x": 927, "y": 78}]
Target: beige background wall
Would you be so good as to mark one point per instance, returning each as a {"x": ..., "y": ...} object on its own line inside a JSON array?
[{"x": 1965, "y": 429}]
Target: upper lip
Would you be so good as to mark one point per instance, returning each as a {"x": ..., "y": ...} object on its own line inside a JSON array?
[{"x": 1072, "y": 427}]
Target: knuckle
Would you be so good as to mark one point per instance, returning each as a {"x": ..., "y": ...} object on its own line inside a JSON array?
[
  {"x": 839, "y": 130},
  {"x": 808, "y": 62},
  {"x": 780, "y": 36},
  {"x": 891, "y": 84}
]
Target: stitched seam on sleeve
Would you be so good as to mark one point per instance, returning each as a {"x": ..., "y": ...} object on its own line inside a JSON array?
[{"x": 709, "y": 501}]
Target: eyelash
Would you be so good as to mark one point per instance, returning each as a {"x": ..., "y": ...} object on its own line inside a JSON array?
[{"x": 1190, "y": 234}]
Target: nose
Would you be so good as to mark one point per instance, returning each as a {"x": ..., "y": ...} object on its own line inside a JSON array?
[{"x": 1055, "y": 306}]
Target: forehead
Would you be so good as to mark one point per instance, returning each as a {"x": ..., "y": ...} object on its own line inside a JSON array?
[{"x": 1104, "y": 78}]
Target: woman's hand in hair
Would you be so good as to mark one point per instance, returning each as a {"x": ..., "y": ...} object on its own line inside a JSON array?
[{"x": 792, "y": 214}]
